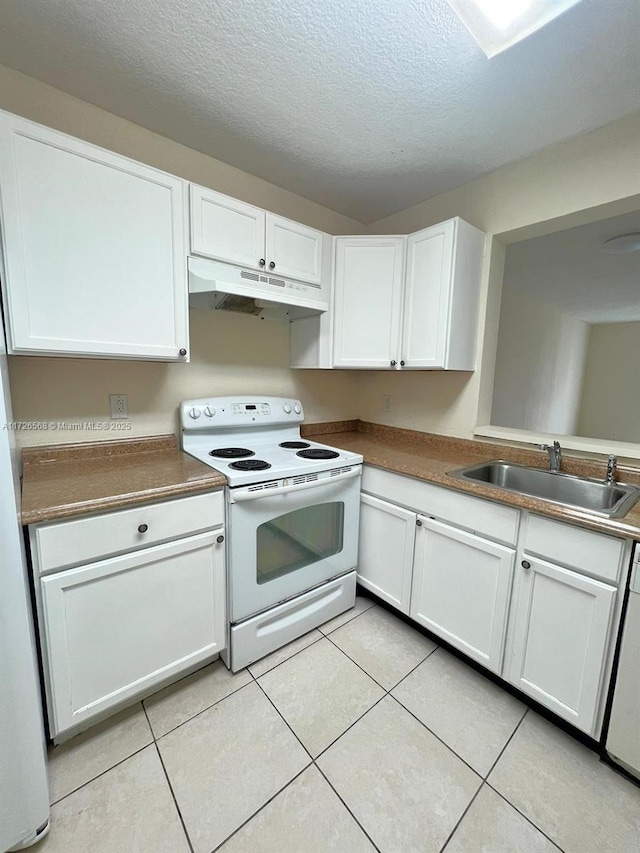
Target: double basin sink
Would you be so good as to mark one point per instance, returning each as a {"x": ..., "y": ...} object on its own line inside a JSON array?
[{"x": 613, "y": 500}]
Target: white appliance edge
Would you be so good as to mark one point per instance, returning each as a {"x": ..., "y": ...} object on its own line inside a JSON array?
[{"x": 24, "y": 794}]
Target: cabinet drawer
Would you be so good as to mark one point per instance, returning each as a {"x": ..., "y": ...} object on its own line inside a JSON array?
[
  {"x": 486, "y": 518},
  {"x": 583, "y": 550},
  {"x": 67, "y": 543}
]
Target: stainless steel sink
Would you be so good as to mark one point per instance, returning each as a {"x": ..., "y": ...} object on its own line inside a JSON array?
[{"x": 613, "y": 500}]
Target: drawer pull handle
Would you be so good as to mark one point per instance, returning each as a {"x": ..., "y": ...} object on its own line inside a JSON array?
[
  {"x": 142, "y": 528},
  {"x": 526, "y": 564},
  {"x": 219, "y": 539}
]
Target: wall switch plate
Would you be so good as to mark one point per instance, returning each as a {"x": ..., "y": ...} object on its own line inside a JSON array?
[
  {"x": 119, "y": 406},
  {"x": 386, "y": 403}
]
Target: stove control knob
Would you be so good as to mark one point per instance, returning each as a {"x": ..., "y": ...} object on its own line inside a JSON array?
[
  {"x": 194, "y": 413},
  {"x": 209, "y": 411},
  {"x": 297, "y": 408},
  {"x": 287, "y": 408}
]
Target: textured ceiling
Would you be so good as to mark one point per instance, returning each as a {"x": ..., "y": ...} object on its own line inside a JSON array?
[
  {"x": 570, "y": 271},
  {"x": 365, "y": 106}
]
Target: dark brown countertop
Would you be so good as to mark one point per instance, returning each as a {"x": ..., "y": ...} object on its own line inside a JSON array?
[
  {"x": 62, "y": 481},
  {"x": 430, "y": 457}
]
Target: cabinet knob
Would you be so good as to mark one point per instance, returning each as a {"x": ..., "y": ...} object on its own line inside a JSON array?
[
  {"x": 272, "y": 265},
  {"x": 182, "y": 351},
  {"x": 142, "y": 528},
  {"x": 219, "y": 539},
  {"x": 262, "y": 262},
  {"x": 525, "y": 564},
  {"x": 402, "y": 364},
  {"x": 393, "y": 363},
  {"x": 418, "y": 522}
]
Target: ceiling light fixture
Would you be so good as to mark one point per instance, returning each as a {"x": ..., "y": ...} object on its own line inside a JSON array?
[
  {"x": 498, "y": 24},
  {"x": 622, "y": 243}
]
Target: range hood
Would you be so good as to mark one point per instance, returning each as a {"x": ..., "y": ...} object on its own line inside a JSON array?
[{"x": 223, "y": 287}]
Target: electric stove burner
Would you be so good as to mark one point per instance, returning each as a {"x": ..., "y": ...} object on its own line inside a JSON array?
[
  {"x": 231, "y": 452},
  {"x": 317, "y": 453},
  {"x": 250, "y": 465},
  {"x": 294, "y": 445}
]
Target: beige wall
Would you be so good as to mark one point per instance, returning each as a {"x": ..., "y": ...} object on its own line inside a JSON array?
[
  {"x": 229, "y": 353},
  {"x": 591, "y": 171},
  {"x": 611, "y": 393},
  {"x": 540, "y": 365}
]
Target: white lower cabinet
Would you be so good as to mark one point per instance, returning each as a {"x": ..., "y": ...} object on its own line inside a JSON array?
[
  {"x": 385, "y": 555},
  {"x": 113, "y": 628},
  {"x": 540, "y": 607},
  {"x": 561, "y": 631},
  {"x": 461, "y": 588}
]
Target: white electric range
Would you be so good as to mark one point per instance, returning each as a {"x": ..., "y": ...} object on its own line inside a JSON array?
[{"x": 293, "y": 510}]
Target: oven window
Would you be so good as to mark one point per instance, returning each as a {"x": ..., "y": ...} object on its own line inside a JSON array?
[{"x": 298, "y": 539}]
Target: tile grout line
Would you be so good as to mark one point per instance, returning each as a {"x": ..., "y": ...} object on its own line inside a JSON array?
[
  {"x": 437, "y": 737},
  {"x": 170, "y": 786},
  {"x": 484, "y": 780},
  {"x": 328, "y": 781},
  {"x": 523, "y": 815},
  {"x": 197, "y": 714},
  {"x": 509, "y": 739},
  {"x": 282, "y": 717},
  {"x": 350, "y": 726},
  {"x": 327, "y": 637},
  {"x": 103, "y": 772},
  {"x": 263, "y": 806},
  {"x": 462, "y": 817}
]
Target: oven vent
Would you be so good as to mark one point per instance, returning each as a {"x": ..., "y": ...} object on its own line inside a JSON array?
[
  {"x": 337, "y": 471},
  {"x": 304, "y": 478},
  {"x": 259, "y": 487}
]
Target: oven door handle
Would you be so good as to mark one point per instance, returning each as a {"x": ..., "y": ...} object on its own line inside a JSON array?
[{"x": 281, "y": 490}]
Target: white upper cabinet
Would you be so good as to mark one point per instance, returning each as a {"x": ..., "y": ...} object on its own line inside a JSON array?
[
  {"x": 230, "y": 230},
  {"x": 293, "y": 250},
  {"x": 94, "y": 249},
  {"x": 227, "y": 229},
  {"x": 425, "y": 319},
  {"x": 367, "y": 301},
  {"x": 441, "y": 297}
]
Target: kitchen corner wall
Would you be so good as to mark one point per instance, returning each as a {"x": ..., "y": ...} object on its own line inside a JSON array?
[
  {"x": 590, "y": 171},
  {"x": 230, "y": 353}
]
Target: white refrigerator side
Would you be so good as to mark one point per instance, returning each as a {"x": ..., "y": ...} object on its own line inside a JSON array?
[{"x": 24, "y": 795}]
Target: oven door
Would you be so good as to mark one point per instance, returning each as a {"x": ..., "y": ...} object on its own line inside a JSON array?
[{"x": 287, "y": 539}]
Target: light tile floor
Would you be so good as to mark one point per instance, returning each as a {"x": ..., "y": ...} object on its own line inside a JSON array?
[{"x": 362, "y": 736}]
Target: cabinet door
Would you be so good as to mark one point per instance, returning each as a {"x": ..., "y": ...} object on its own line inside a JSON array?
[
  {"x": 227, "y": 229},
  {"x": 560, "y": 629},
  {"x": 385, "y": 554},
  {"x": 461, "y": 587},
  {"x": 114, "y": 629},
  {"x": 427, "y": 295},
  {"x": 367, "y": 301},
  {"x": 94, "y": 249},
  {"x": 294, "y": 249}
]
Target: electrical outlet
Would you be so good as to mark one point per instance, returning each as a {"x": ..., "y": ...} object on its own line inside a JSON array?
[
  {"x": 386, "y": 403},
  {"x": 119, "y": 406}
]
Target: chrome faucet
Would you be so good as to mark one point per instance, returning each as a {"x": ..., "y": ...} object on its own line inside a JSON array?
[
  {"x": 555, "y": 455},
  {"x": 612, "y": 464}
]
